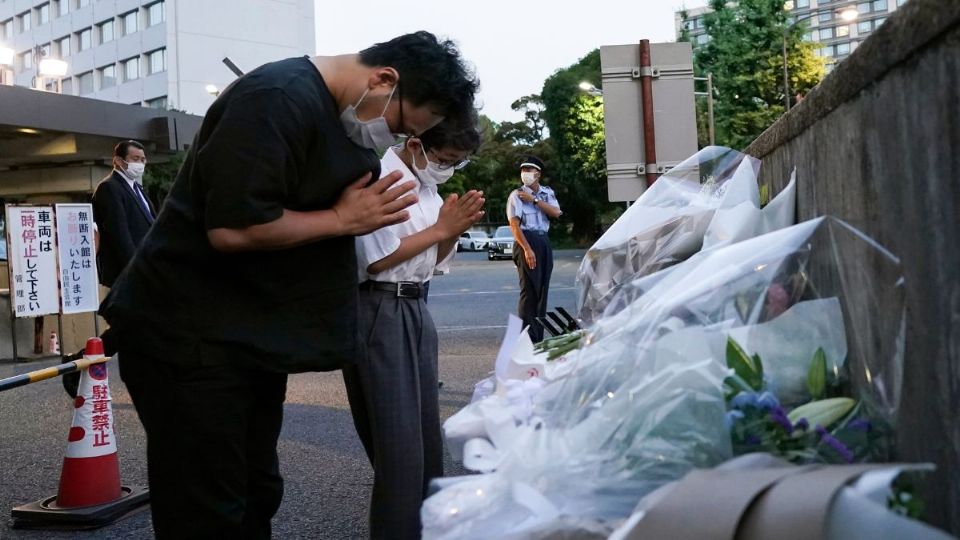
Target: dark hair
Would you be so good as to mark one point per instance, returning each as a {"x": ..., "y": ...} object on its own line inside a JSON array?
[
  {"x": 121, "y": 149},
  {"x": 431, "y": 71},
  {"x": 459, "y": 132}
]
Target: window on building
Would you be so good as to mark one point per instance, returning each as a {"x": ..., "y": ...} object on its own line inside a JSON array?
[
  {"x": 688, "y": 25},
  {"x": 842, "y": 31},
  {"x": 901, "y": 2},
  {"x": 878, "y": 22},
  {"x": 863, "y": 7},
  {"x": 85, "y": 83},
  {"x": 157, "y": 61},
  {"x": 81, "y": 3},
  {"x": 808, "y": 36},
  {"x": 130, "y": 23},
  {"x": 24, "y": 21},
  {"x": 826, "y": 33},
  {"x": 105, "y": 29},
  {"x": 703, "y": 38},
  {"x": 63, "y": 7},
  {"x": 843, "y": 48},
  {"x": 699, "y": 22},
  {"x": 827, "y": 51},
  {"x": 802, "y": 3},
  {"x": 63, "y": 47},
  {"x": 6, "y": 29},
  {"x": 26, "y": 60},
  {"x": 864, "y": 27},
  {"x": 157, "y": 103},
  {"x": 155, "y": 14},
  {"x": 108, "y": 76},
  {"x": 84, "y": 39},
  {"x": 825, "y": 16},
  {"x": 67, "y": 86},
  {"x": 880, "y": 5},
  {"x": 43, "y": 14},
  {"x": 131, "y": 69}
]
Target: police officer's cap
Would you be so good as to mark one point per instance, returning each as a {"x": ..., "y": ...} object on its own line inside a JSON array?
[{"x": 531, "y": 161}]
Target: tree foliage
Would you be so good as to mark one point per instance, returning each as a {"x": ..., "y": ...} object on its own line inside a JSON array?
[
  {"x": 745, "y": 56},
  {"x": 578, "y": 170}
]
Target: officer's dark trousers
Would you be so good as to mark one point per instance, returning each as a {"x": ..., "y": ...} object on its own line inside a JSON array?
[
  {"x": 534, "y": 283},
  {"x": 212, "y": 431}
]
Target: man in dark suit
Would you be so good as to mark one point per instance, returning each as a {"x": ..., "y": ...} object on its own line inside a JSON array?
[
  {"x": 123, "y": 215},
  {"x": 122, "y": 211}
]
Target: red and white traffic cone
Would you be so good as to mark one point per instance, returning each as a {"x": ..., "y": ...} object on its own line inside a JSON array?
[
  {"x": 90, "y": 493},
  {"x": 91, "y": 471}
]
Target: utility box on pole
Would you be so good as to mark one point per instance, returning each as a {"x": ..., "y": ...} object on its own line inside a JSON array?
[{"x": 673, "y": 122}]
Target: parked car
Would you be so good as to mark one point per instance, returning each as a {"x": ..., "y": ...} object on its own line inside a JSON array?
[
  {"x": 473, "y": 241},
  {"x": 501, "y": 245}
]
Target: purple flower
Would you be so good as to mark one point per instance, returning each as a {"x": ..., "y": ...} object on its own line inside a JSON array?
[
  {"x": 859, "y": 424},
  {"x": 731, "y": 418},
  {"x": 832, "y": 442},
  {"x": 802, "y": 425},
  {"x": 780, "y": 417}
]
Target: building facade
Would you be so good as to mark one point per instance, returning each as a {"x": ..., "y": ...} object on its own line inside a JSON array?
[
  {"x": 836, "y": 37},
  {"x": 155, "y": 53}
]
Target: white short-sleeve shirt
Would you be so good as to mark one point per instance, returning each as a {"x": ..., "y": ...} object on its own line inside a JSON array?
[{"x": 381, "y": 243}]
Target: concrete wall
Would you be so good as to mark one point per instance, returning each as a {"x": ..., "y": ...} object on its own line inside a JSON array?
[{"x": 878, "y": 145}]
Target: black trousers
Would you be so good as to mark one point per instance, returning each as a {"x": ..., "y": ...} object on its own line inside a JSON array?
[
  {"x": 212, "y": 431},
  {"x": 534, "y": 283},
  {"x": 394, "y": 401}
]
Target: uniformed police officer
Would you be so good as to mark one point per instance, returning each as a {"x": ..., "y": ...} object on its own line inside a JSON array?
[{"x": 529, "y": 211}]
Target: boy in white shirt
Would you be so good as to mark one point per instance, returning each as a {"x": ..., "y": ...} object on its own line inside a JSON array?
[{"x": 393, "y": 392}]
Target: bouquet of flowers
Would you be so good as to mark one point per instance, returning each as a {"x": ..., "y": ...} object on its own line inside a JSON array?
[
  {"x": 709, "y": 200},
  {"x": 703, "y": 360}
]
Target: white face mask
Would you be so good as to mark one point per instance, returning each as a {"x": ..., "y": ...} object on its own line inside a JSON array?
[
  {"x": 373, "y": 134},
  {"x": 528, "y": 178},
  {"x": 432, "y": 174},
  {"x": 135, "y": 170}
]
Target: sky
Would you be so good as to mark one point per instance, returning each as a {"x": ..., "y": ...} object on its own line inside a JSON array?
[{"x": 513, "y": 45}]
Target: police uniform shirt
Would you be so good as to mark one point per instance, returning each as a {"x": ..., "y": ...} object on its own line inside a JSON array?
[{"x": 532, "y": 218}]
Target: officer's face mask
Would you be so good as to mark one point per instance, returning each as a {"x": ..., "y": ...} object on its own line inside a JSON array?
[
  {"x": 373, "y": 134},
  {"x": 529, "y": 178}
]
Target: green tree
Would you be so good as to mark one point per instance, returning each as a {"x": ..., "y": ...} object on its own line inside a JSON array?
[
  {"x": 494, "y": 168},
  {"x": 745, "y": 56},
  {"x": 158, "y": 177},
  {"x": 577, "y": 170}
]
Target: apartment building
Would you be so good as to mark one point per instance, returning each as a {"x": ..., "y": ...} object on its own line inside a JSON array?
[
  {"x": 835, "y": 36},
  {"x": 155, "y": 53}
]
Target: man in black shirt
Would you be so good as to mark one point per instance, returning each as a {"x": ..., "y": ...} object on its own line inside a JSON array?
[{"x": 249, "y": 272}]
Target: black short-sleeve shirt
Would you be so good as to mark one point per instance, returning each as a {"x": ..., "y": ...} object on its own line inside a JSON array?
[{"x": 272, "y": 141}]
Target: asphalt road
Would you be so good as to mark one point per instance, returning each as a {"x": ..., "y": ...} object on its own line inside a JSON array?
[{"x": 327, "y": 475}]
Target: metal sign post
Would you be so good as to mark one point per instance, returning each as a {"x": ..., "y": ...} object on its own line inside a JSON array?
[{"x": 665, "y": 111}]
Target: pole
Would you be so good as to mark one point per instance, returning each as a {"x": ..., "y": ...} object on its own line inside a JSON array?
[
  {"x": 786, "y": 76},
  {"x": 710, "y": 107},
  {"x": 646, "y": 92},
  {"x": 49, "y": 373},
  {"x": 63, "y": 350}
]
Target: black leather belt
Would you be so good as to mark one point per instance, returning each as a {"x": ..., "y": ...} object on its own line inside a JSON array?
[{"x": 402, "y": 289}]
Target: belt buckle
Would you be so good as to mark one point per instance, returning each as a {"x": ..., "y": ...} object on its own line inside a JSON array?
[{"x": 407, "y": 289}]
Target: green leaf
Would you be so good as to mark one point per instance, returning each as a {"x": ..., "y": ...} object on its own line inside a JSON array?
[
  {"x": 817, "y": 376},
  {"x": 748, "y": 369}
]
